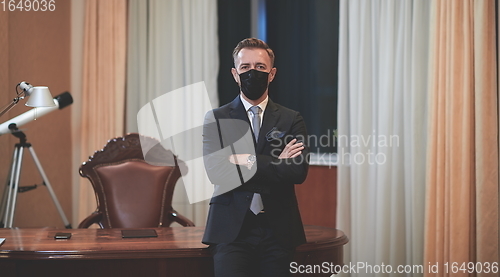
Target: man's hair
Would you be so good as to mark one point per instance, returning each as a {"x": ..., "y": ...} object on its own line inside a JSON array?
[{"x": 253, "y": 43}]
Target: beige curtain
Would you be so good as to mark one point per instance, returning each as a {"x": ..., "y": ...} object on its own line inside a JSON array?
[
  {"x": 462, "y": 174},
  {"x": 383, "y": 66},
  {"x": 103, "y": 92}
]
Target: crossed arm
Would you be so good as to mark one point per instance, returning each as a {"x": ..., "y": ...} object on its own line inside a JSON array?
[
  {"x": 292, "y": 149},
  {"x": 224, "y": 138}
]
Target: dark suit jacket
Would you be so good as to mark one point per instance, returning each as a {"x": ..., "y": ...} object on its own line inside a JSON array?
[{"x": 273, "y": 178}]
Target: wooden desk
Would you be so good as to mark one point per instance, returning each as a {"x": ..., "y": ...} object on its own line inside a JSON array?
[
  {"x": 175, "y": 252},
  {"x": 318, "y": 193}
]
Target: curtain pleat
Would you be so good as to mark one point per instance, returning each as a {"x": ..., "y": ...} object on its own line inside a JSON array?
[
  {"x": 486, "y": 110},
  {"x": 103, "y": 92}
]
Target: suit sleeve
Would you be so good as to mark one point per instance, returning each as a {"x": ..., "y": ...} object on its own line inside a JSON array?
[
  {"x": 272, "y": 171},
  {"x": 221, "y": 139}
]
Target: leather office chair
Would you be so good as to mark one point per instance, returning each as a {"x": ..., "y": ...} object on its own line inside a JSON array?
[{"x": 130, "y": 192}]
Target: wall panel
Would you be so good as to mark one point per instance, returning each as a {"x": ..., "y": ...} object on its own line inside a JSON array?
[{"x": 35, "y": 47}]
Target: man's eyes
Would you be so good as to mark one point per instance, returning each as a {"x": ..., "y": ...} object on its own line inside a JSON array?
[{"x": 260, "y": 67}]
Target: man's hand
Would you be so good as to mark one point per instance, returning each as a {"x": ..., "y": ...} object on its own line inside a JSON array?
[
  {"x": 240, "y": 159},
  {"x": 292, "y": 149}
]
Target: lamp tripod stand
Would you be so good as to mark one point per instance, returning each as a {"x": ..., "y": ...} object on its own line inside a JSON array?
[{"x": 12, "y": 188}]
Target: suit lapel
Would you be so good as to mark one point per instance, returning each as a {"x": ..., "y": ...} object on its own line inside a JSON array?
[
  {"x": 238, "y": 110},
  {"x": 271, "y": 116}
]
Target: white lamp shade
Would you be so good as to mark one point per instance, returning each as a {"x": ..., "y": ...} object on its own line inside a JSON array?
[{"x": 40, "y": 97}]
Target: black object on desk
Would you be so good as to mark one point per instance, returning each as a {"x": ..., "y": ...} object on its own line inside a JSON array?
[
  {"x": 62, "y": 235},
  {"x": 142, "y": 233}
]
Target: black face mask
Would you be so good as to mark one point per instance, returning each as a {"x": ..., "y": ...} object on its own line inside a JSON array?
[{"x": 254, "y": 83}]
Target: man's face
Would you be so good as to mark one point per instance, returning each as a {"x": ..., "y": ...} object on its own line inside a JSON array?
[{"x": 253, "y": 58}]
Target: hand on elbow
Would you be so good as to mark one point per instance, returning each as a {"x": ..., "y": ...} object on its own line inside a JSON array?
[{"x": 292, "y": 149}]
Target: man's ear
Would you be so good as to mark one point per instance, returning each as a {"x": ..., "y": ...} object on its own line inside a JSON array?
[
  {"x": 236, "y": 76},
  {"x": 272, "y": 73}
]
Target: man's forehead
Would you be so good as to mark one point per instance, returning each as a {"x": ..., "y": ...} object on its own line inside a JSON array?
[{"x": 253, "y": 55}]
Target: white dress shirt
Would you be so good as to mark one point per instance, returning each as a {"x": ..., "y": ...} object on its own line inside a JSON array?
[{"x": 262, "y": 105}]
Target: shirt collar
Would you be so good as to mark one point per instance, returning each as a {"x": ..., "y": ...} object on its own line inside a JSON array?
[{"x": 262, "y": 105}]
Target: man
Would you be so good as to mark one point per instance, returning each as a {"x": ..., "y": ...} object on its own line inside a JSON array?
[{"x": 254, "y": 155}]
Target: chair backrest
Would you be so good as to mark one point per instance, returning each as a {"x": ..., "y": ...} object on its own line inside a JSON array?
[{"x": 130, "y": 192}]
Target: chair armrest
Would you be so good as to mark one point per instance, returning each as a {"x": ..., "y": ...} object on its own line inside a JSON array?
[
  {"x": 94, "y": 218},
  {"x": 182, "y": 220}
]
